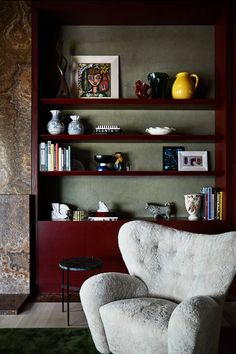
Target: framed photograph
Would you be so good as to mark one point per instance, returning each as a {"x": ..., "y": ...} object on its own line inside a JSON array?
[
  {"x": 192, "y": 161},
  {"x": 95, "y": 76},
  {"x": 170, "y": 157}
]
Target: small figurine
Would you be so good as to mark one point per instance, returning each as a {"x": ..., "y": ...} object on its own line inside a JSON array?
[
  {"x": 160, "y": 210},
  {"x": 60, "y": 212},
  {"x": 118, "y": 164},
  {"x": 102, "y": 207},
  {"x": 142, "y": 90}
]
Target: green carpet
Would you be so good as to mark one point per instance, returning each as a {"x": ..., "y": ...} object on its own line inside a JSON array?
[{"x": 46, "y": 341}]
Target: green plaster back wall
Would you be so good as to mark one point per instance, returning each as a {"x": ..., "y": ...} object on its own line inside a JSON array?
[
  {"x": 141, "y": 50},
  {"x": 144, "y": 49}
]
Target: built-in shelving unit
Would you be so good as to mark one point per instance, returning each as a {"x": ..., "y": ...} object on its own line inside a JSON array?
[{"x": 100, "y": 238}]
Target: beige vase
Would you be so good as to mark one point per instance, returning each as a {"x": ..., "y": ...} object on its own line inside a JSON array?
[{"x": 193, "y": 205}]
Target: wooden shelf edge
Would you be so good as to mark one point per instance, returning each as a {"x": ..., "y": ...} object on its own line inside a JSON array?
[
  {"x": 122, "y": 103},
  {"x": 129, "y": 173},
  {"x": 131, "y": 137}
]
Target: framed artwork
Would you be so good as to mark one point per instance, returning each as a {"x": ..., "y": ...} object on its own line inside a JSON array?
[
  {"x": 170, "y": 157},
  {"x": 95, "y": 76},
  {"x": 192, "y": 161}
]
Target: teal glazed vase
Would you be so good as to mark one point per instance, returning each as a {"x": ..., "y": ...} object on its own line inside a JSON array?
[{"x": 158, "y": 82}]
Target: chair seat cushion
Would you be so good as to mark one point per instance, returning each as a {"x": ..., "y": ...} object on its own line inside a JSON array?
[{"x": 138, "y": 325}]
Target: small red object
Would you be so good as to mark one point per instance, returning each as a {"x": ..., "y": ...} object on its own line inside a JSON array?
[{"x": 142, "y": 90}]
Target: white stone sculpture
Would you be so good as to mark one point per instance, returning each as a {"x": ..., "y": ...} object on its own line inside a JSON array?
[
  {"x": 60, "y": 211},
  {"x": 102, "y": 207}
]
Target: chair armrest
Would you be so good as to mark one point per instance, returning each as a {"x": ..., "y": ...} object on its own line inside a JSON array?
[
  {"x": 194, "y": 326},
  {"x": 101, "y": 289}
]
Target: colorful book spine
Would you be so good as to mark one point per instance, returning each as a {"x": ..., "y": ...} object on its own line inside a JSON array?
[
  {"x": 53, "y": 157},
  {"x": 212, "y": 200}
]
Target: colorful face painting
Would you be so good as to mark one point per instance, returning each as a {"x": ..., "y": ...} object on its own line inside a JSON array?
[{"x": 94, "y": 80}]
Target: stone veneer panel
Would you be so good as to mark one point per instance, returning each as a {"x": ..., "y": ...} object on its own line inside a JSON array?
[
  {"x": 15, "y": 145},
  {"x": 14, "y": 244},
  {"x": 15, "y": 97}
]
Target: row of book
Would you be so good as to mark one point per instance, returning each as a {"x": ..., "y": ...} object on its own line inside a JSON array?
[
  {"x": 53, "y": 157},
  {"x": 212, "y": 203}
]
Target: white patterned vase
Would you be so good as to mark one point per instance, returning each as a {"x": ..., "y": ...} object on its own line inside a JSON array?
[
  {"x": 55, "y": 126},
  {"x": 193, "y": 205},
  {"x": 75, "y": 127}
]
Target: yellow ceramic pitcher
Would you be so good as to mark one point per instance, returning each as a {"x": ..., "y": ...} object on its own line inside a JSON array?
[{"x": 185, "y": 85}]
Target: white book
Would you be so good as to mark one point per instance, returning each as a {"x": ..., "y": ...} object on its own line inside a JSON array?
[
  {"x": 69, "y": 158},
  {"x": 50, "y": 167},
  {"x": 60, "y": 159},
  {"x": 42, "y": 157}
]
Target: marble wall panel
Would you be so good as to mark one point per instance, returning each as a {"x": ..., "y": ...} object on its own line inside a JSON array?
[
  {"x": 14, "y": 244},
  {"x": 15, "y": 97},
  {"x": 15, "y": 145}
]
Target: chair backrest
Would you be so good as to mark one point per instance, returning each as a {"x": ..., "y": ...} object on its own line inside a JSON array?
[{"x": 177, "y": 264}]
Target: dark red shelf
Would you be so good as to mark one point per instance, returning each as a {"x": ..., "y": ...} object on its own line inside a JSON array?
[
  {"x": 134, "y": 103},
  {"x": 131, "y": 137},
  {"x": 128, "y": 173}
]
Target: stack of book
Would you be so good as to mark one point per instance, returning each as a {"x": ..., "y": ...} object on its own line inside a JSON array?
[
  {"x": 102, "y": 216},
  {"x": 212, "y": 203},
  {"x": 53, "y": 157}
]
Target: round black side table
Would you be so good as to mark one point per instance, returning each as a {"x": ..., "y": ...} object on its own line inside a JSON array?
[{"x": 79, "y": 264}]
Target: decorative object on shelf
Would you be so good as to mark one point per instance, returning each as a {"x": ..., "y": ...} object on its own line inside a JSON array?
[
  {"x": 192, "y": 161},
  {"x": 102, "y": 213},
  {"x": 105, "y": 162},
  {"x": 159, "y": 130},
  {"x": 158, "y": 84},
  {"x": 60, "y": 212},
  {"x": 55, "y": 125},
  {"x": 193, "y": 204},
  {"x": 76, "y": 126},
  {"x": 107, "y": 129},
  {"x": 160, "y": 210},
  {"x": 62, "y": 66},
  {"x": 185, "y": 85},
  {"x": 102, "y": 207},
  {"x": 79, "y": 215},
  {"x": 119, "y": 161},
  {"x": 95, "y": 76},
  {"x": 170, "y": 157},
  {"x": 142, "y": 89}
]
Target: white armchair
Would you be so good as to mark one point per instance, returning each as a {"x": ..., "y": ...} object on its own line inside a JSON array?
[{"x": 171, "y": 301}]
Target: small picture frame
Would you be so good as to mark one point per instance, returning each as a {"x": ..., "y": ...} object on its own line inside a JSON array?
[
  {"x": 170, "y": 157},
  {"x": 95, "y": 76},
  {"x": 192, "y": 161}
]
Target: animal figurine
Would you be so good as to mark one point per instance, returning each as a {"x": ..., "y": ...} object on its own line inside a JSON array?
[
  {"x": 142, "y": 89},
  {"x": 160, "y": 210}
]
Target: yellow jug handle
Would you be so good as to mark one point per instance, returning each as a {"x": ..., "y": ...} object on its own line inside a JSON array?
[{"x": 196, "y": 79}]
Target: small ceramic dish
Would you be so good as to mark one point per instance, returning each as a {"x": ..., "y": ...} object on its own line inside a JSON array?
[{"x": 159, "y": 130}]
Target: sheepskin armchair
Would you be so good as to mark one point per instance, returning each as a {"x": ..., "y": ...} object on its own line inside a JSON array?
[{"x": 172, "y": 299}]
